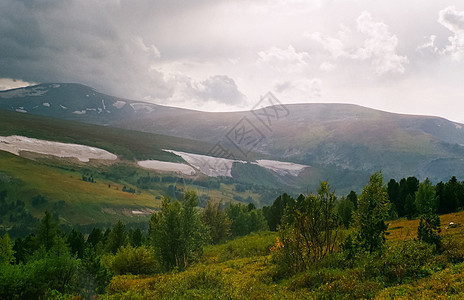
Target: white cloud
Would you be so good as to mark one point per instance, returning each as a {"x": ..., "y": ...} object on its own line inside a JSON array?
[
  {"x": 379, "y": 45},
  {"x": 9, "y": 83},
  {"x": 281, "y": 58},
  {"x": 299, "y": 89},
  {"x": 429, "y": 44},
  {"x": 326, "y": 66},
  {"x": 220, "y": 91},
  {"x": 334, "y": 46},
  {"x": 453, "y": 20}
]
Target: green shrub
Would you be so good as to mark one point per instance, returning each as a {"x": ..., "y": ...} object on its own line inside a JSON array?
[
  {"x": 33, "y": 280},
  {"x": 130, "y": 260},
  {"x": 408, "y": 260},
  {"x": 453, "y": 249},
  {"x": 254, "y": 244}
]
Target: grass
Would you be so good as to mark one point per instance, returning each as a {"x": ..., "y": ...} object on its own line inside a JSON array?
[
  {"x": 60, "y": 180},
  {"x": 446, "y": 284},
  {"x": 243, "y": 268},
  {"x": 126, "y": 144},
  {"x": 103, "y": 201},
  {"x": 404, "y": 229},
  {"x": 84, "y": 201}
]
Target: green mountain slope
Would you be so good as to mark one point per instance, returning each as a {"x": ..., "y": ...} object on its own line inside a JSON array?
[
  {"x": 117, "y": 190},
  {"x": 334, "y": 138}
]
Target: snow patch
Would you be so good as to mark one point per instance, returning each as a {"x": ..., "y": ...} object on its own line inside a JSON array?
[
  {"x": 167, "y": 166},
  {"x": 15, "y": 144},
  {"x": 214, "y": 166},
  {"x": 458, "y": 126},
  {"x": 46, "y": 104},
  {"x": 79, "y": 112},
  {"x": 208, "y": 165},
  {"x": 21, "y": 110},
  {"x": 142, "y": 107},
  {"x": 280, "y": 167},
  {"x": 119, "y": 104},
  {"x": 103, "y": 103},
  {"x": 55, "y": 86},
  {"x": 63, "y": 107}
]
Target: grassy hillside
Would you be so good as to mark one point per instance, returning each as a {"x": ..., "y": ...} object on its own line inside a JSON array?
[
  {"x": 60, "y": 181},
  {"x": 243, "y": 269},
  {"x": 124, "y": 143},
  {"x": 76, "y": 201},
  {"x": 334, "y": 137}
]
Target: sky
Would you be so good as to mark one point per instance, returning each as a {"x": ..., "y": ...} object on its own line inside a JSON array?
[{"x": 223, "y": 55}]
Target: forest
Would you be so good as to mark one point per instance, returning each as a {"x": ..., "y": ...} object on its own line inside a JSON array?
[{"x": 390, "y": 241}]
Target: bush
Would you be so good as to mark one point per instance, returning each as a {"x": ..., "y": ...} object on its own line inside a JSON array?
[
  {"x": 453, "y": 249},
  {"x": 31, "y": 281},
  {"x": 254, "y": 244},
  {"x": 130, "y": 260},
  {"x": 401, "y": 263}
]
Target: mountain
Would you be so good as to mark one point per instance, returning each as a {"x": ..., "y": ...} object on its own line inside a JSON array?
[
  {"x": 81, "y": 191},
  {"x": 343, "y": 143}
]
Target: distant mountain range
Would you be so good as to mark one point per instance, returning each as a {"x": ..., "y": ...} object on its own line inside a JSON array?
[{"x": 343, "y": 143}]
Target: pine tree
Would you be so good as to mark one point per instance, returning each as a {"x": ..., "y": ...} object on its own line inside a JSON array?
[
  {"x": 117, "y": 238},
  {"x": 47, "y": 231},
  {"x": 95, "y": 236},
  {"x": 427, "y": 206},
  {"x": 77, "y": 243},
  {"x": 136, "y": 237}
]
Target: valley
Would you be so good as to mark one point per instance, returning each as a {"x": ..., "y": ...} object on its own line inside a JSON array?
[{"x": 137, "y": 152}]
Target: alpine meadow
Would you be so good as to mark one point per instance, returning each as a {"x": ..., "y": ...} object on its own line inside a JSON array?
[{"x": 291, "y": 149}]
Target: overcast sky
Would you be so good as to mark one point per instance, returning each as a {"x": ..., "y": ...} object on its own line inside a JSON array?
[{"x": 399, "y": 56}]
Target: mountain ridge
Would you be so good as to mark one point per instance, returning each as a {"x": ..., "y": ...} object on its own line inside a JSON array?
[{"x": 333, "y": 135}]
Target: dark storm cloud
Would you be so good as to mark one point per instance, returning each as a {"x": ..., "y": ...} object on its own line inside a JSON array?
[
  {"x": 79, "y": 41},
  {"x": 222, "y": 54},
  {"x": 109, "y": 45}
]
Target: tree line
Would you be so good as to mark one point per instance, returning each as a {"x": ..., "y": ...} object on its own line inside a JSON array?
[
  {"x": 50, "y": 262},
  {"x": 309, "y": 226}
]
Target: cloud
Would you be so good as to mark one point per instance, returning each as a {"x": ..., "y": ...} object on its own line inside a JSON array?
[
  {"x": 219, "y": 88},
  {"x": 283, "y": 58},
  {"x": 429, "y": 44},
  {"x": 300, "y": 88},
  {"x": 334, "y": 46},
  {"x": 379, "y": 45},
  {"x": 326, "y": 66},
  {"x": 150, "y": 49},
  {"x": 70, "y": 41},
  {"x": 9, "y": 83},
  {"x": 222, "y": 55},
  {"x": 453, "y": 20}
]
